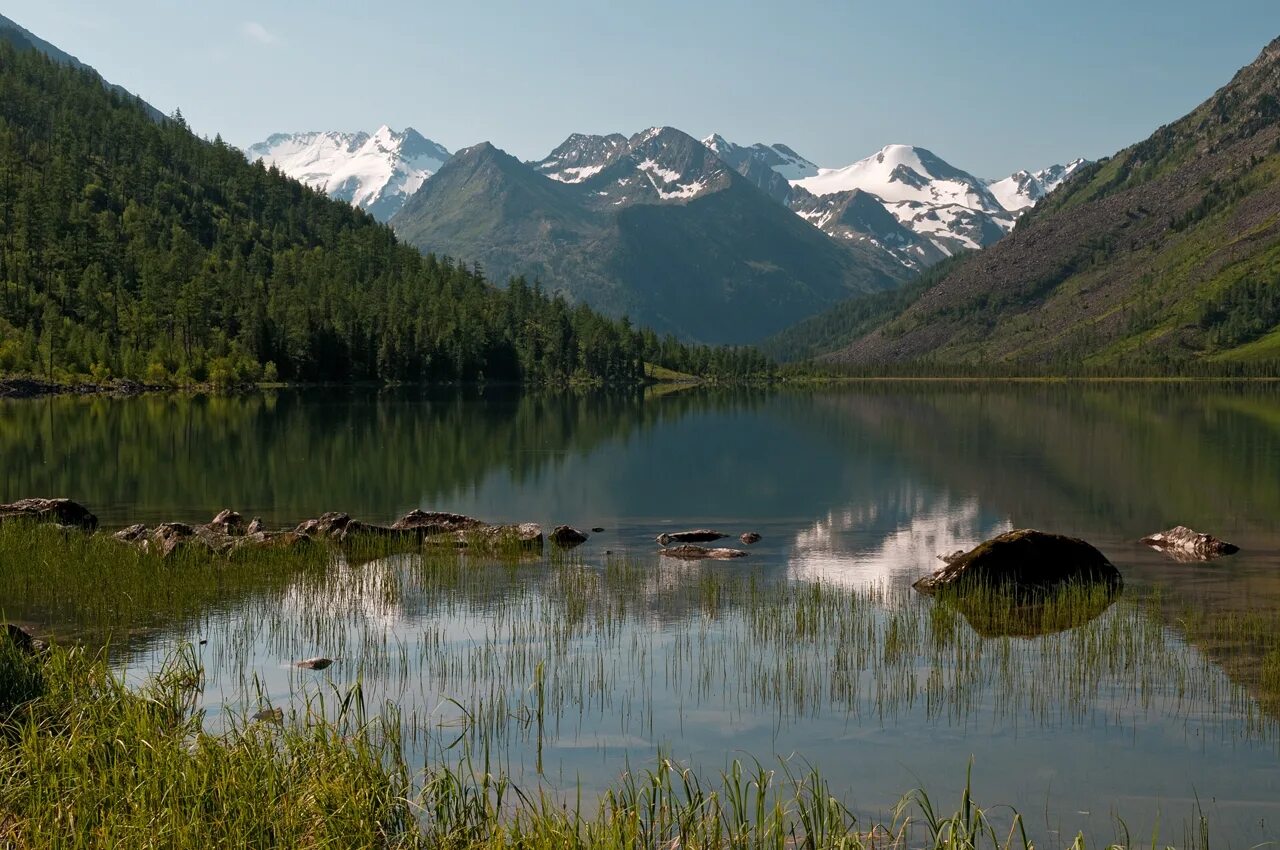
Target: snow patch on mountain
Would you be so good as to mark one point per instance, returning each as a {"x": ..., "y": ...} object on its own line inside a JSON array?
[{"x": 376, "y": 172}]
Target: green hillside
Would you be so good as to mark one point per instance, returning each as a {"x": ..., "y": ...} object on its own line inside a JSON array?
[
  {"x": 1165, "y": 256},
  {"x": 132, "y": 248}
]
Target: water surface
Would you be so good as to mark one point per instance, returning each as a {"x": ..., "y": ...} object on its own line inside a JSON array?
[{"x": 857, "y": 489}]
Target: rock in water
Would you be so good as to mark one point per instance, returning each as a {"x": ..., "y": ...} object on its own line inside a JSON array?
[
  {"x": 1184, "y": 544},
  {"x": 598, "y": 529},
  {"x": 22, "y": 639},
  {"x": 697, "y": 535},
  {"x": 699, "y": 553},
  {"x": 1023, "y": 560},
  {"x": 751, "y": 537},
  {"x": 60, "y": 511},
  {"x": 318, "y": 663},
  {"x": 436, "y": 522},
  {"x": 566, "y": 536},
  {"x": 227, "y": 522}
]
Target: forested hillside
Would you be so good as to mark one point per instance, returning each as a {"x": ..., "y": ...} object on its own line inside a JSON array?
[{"x": 133, "y": 248}]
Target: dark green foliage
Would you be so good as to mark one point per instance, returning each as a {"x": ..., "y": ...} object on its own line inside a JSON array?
[
  {"x": 849, "y": 319},
  {"x": 1243, "y": 312},
  {"x": 132, "y": 248}
]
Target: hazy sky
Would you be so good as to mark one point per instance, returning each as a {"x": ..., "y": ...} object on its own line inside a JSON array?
[{"x": 989, "y": 85}]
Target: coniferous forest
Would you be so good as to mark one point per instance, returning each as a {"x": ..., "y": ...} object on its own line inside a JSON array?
[{"x": 131, "y": 248}]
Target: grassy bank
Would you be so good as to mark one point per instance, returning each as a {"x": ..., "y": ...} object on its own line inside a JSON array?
[{"x": 86, "y": 761}]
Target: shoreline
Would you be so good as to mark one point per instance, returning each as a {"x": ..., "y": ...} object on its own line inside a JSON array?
[{"x": 34, "y": 388}]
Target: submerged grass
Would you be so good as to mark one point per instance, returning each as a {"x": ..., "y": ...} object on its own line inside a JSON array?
[
  {"x": 514, "y": 653},
  {"x": 87, "y": 761}
]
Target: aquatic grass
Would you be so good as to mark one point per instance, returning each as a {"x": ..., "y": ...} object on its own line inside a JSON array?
[{"x": 92, "y": 762}]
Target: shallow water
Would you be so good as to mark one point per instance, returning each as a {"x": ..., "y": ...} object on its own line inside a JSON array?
[{"x": 858, "y": 489}]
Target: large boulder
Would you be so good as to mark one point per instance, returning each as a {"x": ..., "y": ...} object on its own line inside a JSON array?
[
  {"x": 1184, "y": 544},
  {"x": 1022, "y": 561},
  {"x": 59, "y": 511}
]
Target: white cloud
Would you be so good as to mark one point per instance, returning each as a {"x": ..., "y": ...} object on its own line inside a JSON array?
[{"x": 257, "y": 32}]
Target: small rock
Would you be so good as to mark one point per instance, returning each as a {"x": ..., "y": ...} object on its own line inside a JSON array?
[
  {"x": 227, "y": 522},
  {"x": 318, "y": 663},
  {"x": 1184, "y": 544},
  {"x": 566, "y": 537},
  {"x": 697, "y": 535},
  {"x": 270, "y": 715},
  {"x": 132, "y": 534},
  {"x": 597, "y": 530},
  {"x": 255, "y": 527},
  {"x": 700, "y": 553},
  {"x": 750, "y": 537}
]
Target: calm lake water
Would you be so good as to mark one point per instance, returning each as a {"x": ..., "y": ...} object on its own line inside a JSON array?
[{"x": 856, "y": 491}]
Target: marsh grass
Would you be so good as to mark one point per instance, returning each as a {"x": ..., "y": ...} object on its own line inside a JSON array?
[
  {"x": 88, "y": 761},
  {"x": 466, "y": 657}
]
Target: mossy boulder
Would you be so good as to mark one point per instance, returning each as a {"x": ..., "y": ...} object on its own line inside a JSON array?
[{"x": 1022, "y": 561}]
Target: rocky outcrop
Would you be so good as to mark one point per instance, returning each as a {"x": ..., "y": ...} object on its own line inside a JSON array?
[
  {"x": 1021, "y": 561},
  {"x": 58, "y": 511},
  {"x": 689, "y": 552},
  {"x": 750, "y": 537},
  {"x": 1184, "y": 544},
  {"x": 567, "y": 537},
  {"x": 697, "y": 535}
]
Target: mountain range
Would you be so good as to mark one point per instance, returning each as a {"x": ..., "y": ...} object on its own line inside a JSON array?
[
  {"x": 558, "y": 221},
  {"x": 934, "y": 209},
  {"x": 1165, "y": 255},
  {"x": 655, "y": 226}
]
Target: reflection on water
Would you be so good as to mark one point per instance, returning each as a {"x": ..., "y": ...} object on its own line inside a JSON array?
[
  {"x": 1134, "y": 706},
  {"x": 900, "y": 537}
]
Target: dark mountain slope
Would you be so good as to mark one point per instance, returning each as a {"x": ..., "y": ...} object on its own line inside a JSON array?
[{"x": 1168, "y": 252}]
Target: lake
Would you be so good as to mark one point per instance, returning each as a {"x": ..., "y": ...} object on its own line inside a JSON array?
[{"x": 565, "y": 670}]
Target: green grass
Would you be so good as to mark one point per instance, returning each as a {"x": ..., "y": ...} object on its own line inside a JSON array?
[{"x": 86, "y": 761}]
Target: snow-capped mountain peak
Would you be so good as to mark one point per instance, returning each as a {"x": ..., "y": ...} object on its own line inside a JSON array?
[
  {"x": 377, "y": 172},
  {"x": 581, "y": 156},
  {"x": 1023, "y": 189},
  {"x": 906, "y": 174}
]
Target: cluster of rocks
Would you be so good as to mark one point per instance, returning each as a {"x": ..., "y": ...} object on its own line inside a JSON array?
[
  {"x": 688, "y": 550},
  {"x": 228, "y": 532}
]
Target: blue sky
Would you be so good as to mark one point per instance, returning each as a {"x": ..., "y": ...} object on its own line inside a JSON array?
[{"x": 989, "y": 85}]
